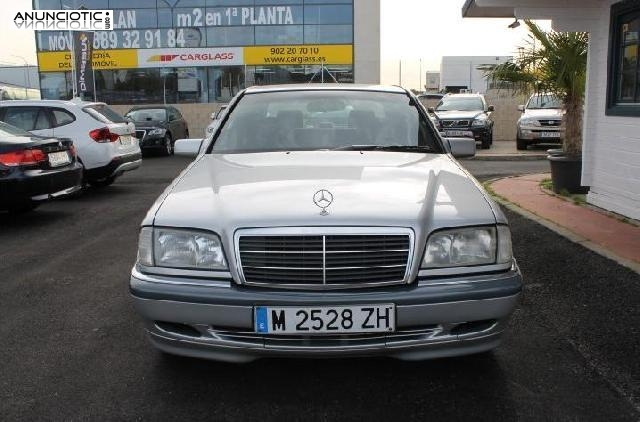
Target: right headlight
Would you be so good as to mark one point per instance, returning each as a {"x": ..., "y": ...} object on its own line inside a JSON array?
[
  {"x": 178, "y": 248},
  {"x": 469, "y": 246}
]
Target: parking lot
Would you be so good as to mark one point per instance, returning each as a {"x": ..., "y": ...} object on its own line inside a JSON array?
[{"x": 74, "y": 349}]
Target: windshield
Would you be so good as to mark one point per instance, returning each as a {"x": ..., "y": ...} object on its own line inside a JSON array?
[
  {"x": 544, "y": 101},
  {"x": 7, "y": 130},
  {"x": 460, "y": 104},
  {"x": 313, "y": 120},
  {"x": 148, "y": 114}
]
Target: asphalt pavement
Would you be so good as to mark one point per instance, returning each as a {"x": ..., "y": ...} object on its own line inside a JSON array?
[{"x": 74, "y": 349}]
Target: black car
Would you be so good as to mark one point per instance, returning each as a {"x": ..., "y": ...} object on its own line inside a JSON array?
[
  {"x": 461, "y": 115},
  {"x": 158, "y": 127},
  {"x": 34, "y": 169}
]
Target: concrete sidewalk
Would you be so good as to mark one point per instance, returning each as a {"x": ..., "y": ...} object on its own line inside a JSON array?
[
  {"x": 594, "y": 228},
  {"x": 507, "y": 151}
]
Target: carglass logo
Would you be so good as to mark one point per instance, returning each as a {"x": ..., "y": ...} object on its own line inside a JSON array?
[{"x": 64, "y": 20}]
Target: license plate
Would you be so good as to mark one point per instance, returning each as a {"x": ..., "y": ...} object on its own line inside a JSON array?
[
  {"x": 325, "y": 319},
  {"x": 549, "y": 134},
  {"x": 57, "y": 159},
  {"x": 125, "y": 140},
  {"x": 458, "y": 134}
]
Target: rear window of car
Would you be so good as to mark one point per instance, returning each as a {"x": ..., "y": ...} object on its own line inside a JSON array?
[
  {"x": 103, "y": 113},
  {"x": 6, "y": 130}
]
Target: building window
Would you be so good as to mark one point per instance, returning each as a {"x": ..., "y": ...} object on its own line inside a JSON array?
[{"x": 623, "y": 94}]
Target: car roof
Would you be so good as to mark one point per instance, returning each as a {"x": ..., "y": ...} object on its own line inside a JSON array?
[
  {"x": 466, "y": 95},
  {"x": 51, "y": 103},
  {"x": 150, "y": 106},
  {"x": 325, "y": 87}
]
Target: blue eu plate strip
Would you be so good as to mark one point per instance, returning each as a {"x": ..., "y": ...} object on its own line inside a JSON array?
[{"x": 262, "y": 323}]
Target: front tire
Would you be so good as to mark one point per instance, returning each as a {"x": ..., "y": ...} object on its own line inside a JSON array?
[
  {"x": 486, "y": 142},
  {"x": 521, "y": 144},
  {"x": 168, "y": 146}
]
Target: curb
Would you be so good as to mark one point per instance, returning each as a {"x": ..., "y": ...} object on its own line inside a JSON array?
[
  {"x": 507, "y": 157},
  {"x": 600, "y": 250}
]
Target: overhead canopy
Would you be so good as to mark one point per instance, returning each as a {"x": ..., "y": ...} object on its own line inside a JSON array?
[{"x": 472, "y": 10}]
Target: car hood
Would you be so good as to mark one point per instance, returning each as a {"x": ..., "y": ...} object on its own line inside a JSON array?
[
  {"x": 546, "y": 113},
  {"x": 145, "y": 124},
  {"x": 456, "y": 114},
  {"x": 223, "y": 193}
]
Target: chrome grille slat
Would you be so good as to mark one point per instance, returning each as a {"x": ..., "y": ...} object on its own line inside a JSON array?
[{"x": 326, "y": 260}]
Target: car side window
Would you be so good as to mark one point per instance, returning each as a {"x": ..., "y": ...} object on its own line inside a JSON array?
[
  {"x": 42, "y": 121},
  {"x": 173, "y": 114},
  {"x": 22, "y": 117},
  {"x": 61, "y": 117}
]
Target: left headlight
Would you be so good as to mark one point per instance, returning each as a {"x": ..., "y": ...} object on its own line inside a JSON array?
[
  {"x": 157, "y": 132},
  {"x": 479, "y": 122},
  {"x": 528, "y": 122},
  {"x": 470, "y": 246},
  {"x": 177, "y": 248}
]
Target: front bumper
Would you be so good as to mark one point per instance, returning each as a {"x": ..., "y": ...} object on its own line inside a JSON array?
[
  {"x": 434, "y": 318},
  {"x": 539, "y": 134},
  {"x": 154, "y": 141},
  {"x": 477, "y": 132}
]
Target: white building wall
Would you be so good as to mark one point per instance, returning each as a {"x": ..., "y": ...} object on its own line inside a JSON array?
[
  {"x": 611, "y": 149},
  {"x": 366, "y": 40},
  {"x": 463, "y": 71}
]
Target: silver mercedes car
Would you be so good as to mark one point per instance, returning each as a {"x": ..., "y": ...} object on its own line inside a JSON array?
[{"x": 325, "y": 220}]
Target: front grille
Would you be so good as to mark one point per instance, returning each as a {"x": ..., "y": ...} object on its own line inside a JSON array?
[
  {"x": 327, "y": 260},
  {"x": 140, "y": 134},
  {"x": 553, "y": 123},
  {"x": 455, "y": 123}
]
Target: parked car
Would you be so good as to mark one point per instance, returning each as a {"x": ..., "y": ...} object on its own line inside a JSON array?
[
  {"x": 34, "y": 169},
  {"x": 541, "y": 121},
  {"x": 325, "y": 220},
  {"x": 103, "y": 140},
  {"x": 466, "y": 115},
  {"x": 158, "y": 127},
  {"x": 430, "y": 99},
  {"x": 216, "y": 118}
]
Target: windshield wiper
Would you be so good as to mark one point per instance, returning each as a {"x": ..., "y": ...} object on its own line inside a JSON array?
[{"x": 409, "y": 148}]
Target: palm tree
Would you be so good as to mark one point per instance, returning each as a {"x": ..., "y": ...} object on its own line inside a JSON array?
[{"x": 558, "y": 67}]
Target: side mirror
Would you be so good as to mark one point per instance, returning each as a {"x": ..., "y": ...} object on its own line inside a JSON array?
[
  {"x": 187, "y": 147},
  {"x": 521, "y": 108},
  {"x": 491, "y": 108},
  {"x": 431, "y": 110},
  {"x": 213, "y": 115},
  {"x": 462, "y": 147}
]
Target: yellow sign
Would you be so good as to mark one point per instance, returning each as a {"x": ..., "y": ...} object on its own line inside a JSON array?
[
  {"x": 56, "y": 61},
  {"x": 298, "y": 55}
]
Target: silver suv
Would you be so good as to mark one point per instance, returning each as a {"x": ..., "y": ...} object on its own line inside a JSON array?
[{"x": 541, "y": 121}]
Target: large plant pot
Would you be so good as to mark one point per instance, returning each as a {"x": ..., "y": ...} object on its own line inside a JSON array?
[{"x": 566, "y": 172}]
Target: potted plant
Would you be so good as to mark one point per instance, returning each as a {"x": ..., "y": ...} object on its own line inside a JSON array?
[{"x": 554, "y": 63}]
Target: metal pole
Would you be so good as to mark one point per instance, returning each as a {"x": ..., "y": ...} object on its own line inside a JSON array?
[
  {"x": 420, "y": 88},
  {"x": 73, "y": 66}
]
